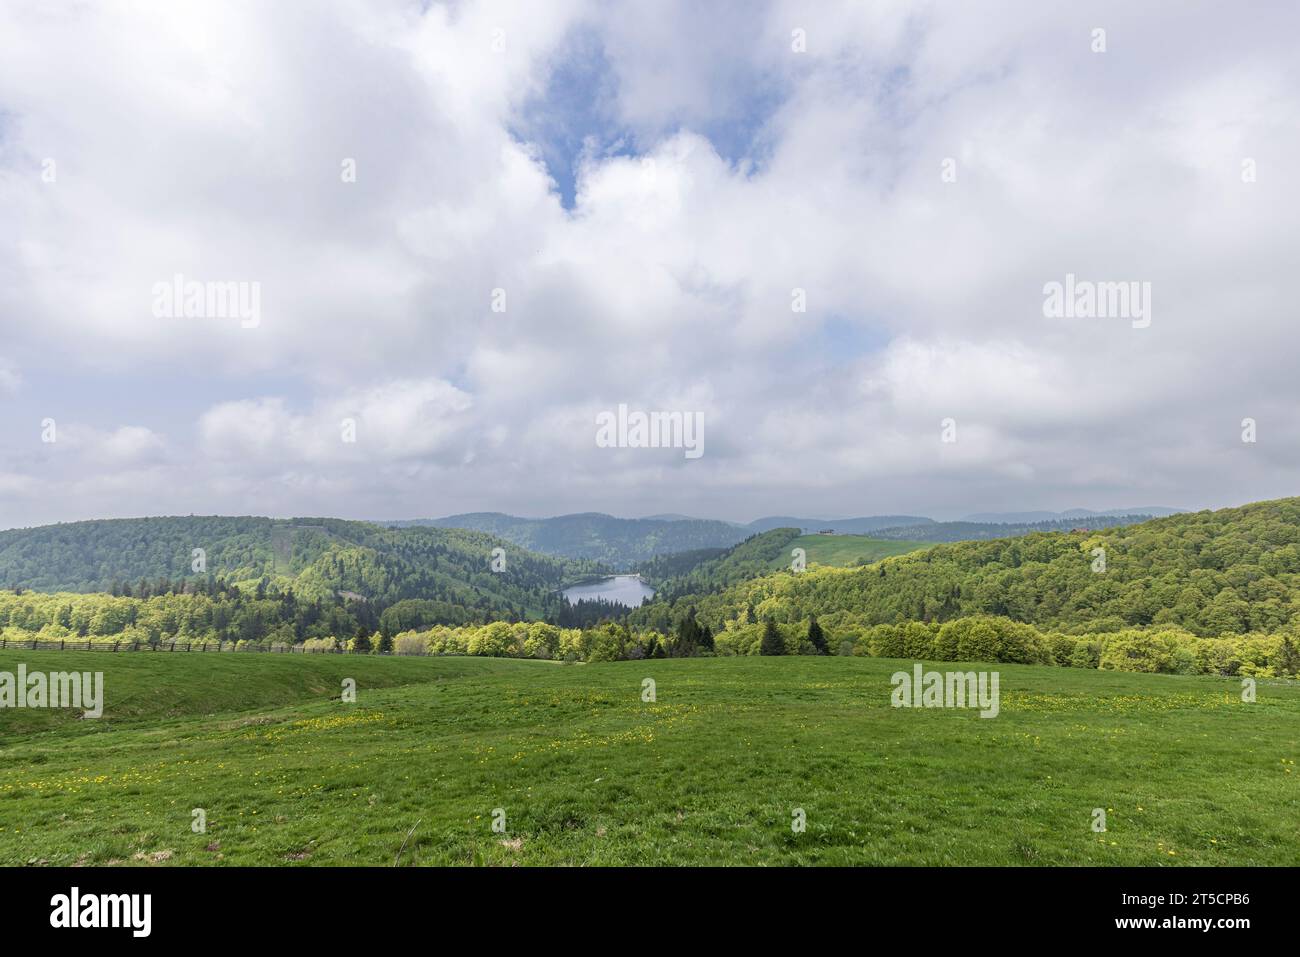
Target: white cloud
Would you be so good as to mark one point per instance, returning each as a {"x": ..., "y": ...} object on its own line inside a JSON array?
[
  {"x": 127, "y": 446},
  {"x": 207, "y": 140},
  {"x": 389, "y": 422}
]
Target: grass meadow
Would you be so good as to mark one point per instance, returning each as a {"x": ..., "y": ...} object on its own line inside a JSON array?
[{"x": 587, "y": 773}]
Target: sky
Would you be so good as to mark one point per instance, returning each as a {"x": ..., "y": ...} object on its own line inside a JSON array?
[{"x": 826, "y": 229}]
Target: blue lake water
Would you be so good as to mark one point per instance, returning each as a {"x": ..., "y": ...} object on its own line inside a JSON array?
[{"x": 625, "y": 589}]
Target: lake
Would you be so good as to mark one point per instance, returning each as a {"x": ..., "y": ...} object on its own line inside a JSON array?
[{"x": 629, "y": 590}]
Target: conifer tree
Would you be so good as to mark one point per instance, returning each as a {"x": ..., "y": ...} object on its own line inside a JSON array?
[
  {"x": 706, "y": 638},
  {"x": 817, "y": 637},
  {"x": 773, "y": 643},
  {"x": 361, "y": 643},
  {"x": 688, "y": 636}
]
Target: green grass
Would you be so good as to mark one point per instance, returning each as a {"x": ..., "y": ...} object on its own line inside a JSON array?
[
  {"x": 846, "y": 550},
  {"x": 589, "y": 774}
]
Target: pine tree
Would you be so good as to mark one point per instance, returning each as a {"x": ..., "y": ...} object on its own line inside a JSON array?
[
  {"x": 706, "y": 638},
  {"x": 361, "y": 643},
  {"x": 773, "y": 643},
  {"x": 385, "y": 642},
  {"x": 688, "y": 636},
  {"x": 817, "y": 637}
]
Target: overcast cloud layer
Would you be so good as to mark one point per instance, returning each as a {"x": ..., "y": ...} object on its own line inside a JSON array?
[{"x": 648, "y": 183}]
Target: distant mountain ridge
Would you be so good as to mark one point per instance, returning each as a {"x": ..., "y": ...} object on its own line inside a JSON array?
[
  {"x": 677, "y": 517},
  {"x": 842, "y": 526},
  {"x": 1020, "y": 518},
  {"x": 616, "y": 542},
  {"x": 982, "y": 531},
  {"x": 622, "y": 543}
]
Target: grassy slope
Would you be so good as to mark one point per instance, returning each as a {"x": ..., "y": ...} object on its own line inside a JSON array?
[
  {"x": 155, "y": 688},
  {"x": 846, "y": 550},
  {"x": 588, "y": 774}
]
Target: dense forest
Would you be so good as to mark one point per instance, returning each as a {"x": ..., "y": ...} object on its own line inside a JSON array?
[
  {"x": 701, "y": 572},
  {"x": 662, "y": 568},
  {"x": 586, "y": 612},
  {"x": 214, "y": 610},
  {"x": 324, "y": 559},
  {"x": 1211, "y": 573},
  {"x": 197, "y": 610}
]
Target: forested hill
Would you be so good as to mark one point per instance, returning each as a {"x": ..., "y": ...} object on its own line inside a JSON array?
[
  {"x": 617, "y": 542},
  {"x": 316, "y": 557},
  {"x": 704, "y": 571},
  {"x": 929, "y": 531},
  {"x": 1213, "y": 573}
]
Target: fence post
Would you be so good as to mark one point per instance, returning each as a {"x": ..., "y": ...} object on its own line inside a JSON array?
[{"x": 61, "y": 643}]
